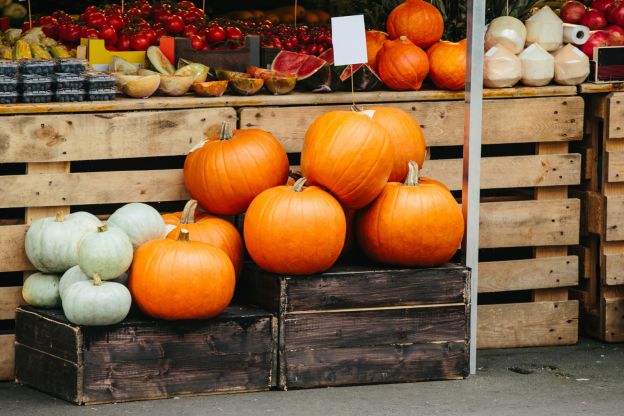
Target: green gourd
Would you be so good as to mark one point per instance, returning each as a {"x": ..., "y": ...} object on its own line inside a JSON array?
[
  {"x": 106, "y": 253},
  {"x": 42, "y": 290}
]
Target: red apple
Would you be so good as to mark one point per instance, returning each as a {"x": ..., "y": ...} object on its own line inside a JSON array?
[
  {"x": 615, "y": 15},
  {"x": 597, "y": 38},
  {"x": 594, "y": 19},
  {"x": 572, "y": 12},
  {"x": 616, "y": 35},
  {"x": 602, "y": 5}
]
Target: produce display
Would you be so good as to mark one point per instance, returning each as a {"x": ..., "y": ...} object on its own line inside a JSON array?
[{"x": 604, "y": 18}]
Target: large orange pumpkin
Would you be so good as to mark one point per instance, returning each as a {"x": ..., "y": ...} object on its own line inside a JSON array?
[
  {"x": 226, "y": 172},
  {"x": 349, "y": 154},
  {"x": 407, "y": 139},
  {"x": 402, "y": 65},
  {"x": 212, "y": 230},
  {"x": 181, "y": 279},
  {"x": 295, "y": 230},
  {"x": 374, "y": 42},
  {"x": 419, "y": 20},
  {"x": 447, "y": 65},
  {"x": 416, "y": 224}
]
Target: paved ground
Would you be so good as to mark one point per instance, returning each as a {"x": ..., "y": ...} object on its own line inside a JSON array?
[{"x": 586, "y": 379}]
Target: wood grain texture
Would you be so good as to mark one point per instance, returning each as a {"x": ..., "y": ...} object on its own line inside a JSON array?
[
  {"x": 12, "y": 255},
  {"x": 92, "y": 188},
  {"x": 601, "y": 88},
  {"x": 547, "y": 272},
  {"x": 371, "y": 365},
  {"x": 552, "y": 119},
  {"x": 529, "y": 223},
  {"x": 528, "y": 324},
  {"x": 614, "y": 269},
  {"x": 615, "y": 166},
  {"x": 614, "y": 226},
  {"x": 57, "y": 138},
  {"x": 10, "y": 299},
  {"x": 616, "y": 116},
  {"x": 614, "y": 320},
  {"x": 7, "y": 357}
]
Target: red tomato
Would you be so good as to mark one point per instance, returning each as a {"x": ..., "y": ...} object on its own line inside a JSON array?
[
  {"x": 214, "y": 34},
  {"x": 143, "y": 26},
  {"x": 189, "y": 31},
  {"x": 175, "y": 24},
  {"x": 146, "y": 9},
  {"x": 91, "y": 9},
  {"x": 123, "y": 44},
  {"x": 47, "y": 20},
  {"x": 108, "y": 33},
  {"x": 151, "y": 35},
  {"x": 197, "y": 42},
  {"x": 234, "y": 34},
  {"x": 189, "y": 16},
  {"x": 134, "y": 12},
  {"x": 185, "y": 5},
  {"x": 116, "y": 21},
  {"x": 96, "y": 19},
  {"x": 89, "y": 33},
  {"x": 160, "y": 32},
  {"x": 139, "y": 42}
]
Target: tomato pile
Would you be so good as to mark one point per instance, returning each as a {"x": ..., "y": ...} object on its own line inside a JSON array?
[{"x": 312, "y": 40}]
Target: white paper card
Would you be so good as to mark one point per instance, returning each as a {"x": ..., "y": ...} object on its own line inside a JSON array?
[{"x": 349, "y": 40}]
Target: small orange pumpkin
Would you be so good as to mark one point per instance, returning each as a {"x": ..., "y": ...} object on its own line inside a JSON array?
[
  {"x": 419, "y": 20},
  {"x": 447, "y": 65},
  {"x": 212, "y": 230},
  {"x": 416, "y": 224},
  {"x": 402, "y": 65},
  {"x": 225, "y": 173},
  {"x": 407, "y": 139},
  {"x": 181, "y": 279},
  {"x": 374, "y": 42},
  {"x": 295, "y": 230},
  {"x": 349, "y": 154}
]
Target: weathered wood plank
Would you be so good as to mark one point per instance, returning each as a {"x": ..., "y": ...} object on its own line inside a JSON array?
[
  {"x": 616, "y": 116},
  {"x": 614, "y": 227},
  {"x": 529, "y": 223},
  {"x": 7, "y": 357},
  {"x": 10, "y": 298},
  {"x": 614, "y": 269},
  {"x": 603, "y": 87},
  {"x": 57, "y": 138},
  {"x": 552, "y": 119},
  {"x": 528, "y": 324},
  {"x": 614, "y": 320},
  {"x": 547, "y": 272},
  {"x": 370, "y": 365},
  {"x": 615, "y": 166},
  {"x": 92, "y": 188},
  {"x": 12, "y": 255}
]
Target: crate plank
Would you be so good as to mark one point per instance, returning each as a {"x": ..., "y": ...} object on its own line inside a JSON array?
[
  {"x": 529, "y": 223},
  {"x": 10, "y": 298},
  {"x": 614, "y": 269},
  {"x": 547, "y": 272},
  {"x": 92, "y": 188},
  {"x": 616, "y": 116},
  {"x": 614, "y": 320},
  {"x": 614, "y": 227},
  {"x": 552, "y": 119},
  {"x": 527, "y": 324},
  {"x": 378, "y": 364},
  {"x": 7, "y": 358},
  {"x": 12, "y": 255},
  {"x": 51, "y": 333},
  {"x": 57, "y": 138},
  {"x": 615, "y": 166},
  {"x": 50, "y": 374}
]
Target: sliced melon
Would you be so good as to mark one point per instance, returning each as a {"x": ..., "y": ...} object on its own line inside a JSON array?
[
  {"x": 184, "y": 62},
  {"x": 280, "y": 85},
  {"x": 364, "y": 78},
  {"x": 144, "y": 71},
  {"x": 211, "y": 88},
  {"x": 246, "y": 86},
  {"x": 140, "y": 86},
  {"x": 121, "y": 65},
  {"x": 159, "y": 61},
  {"x": 313, "y": 73},
  {"x": 175, "y": 85},
  {"x": 199, "y": 72}
]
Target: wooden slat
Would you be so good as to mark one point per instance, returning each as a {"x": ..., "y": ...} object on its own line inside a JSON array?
[
  {"x": 7, "y": 356},
  {"x": 601, "y": 88},
  {"x": 510, "y": 171},
  {"x": 56, "y": 138},
  {"x": 616, "y": 116},
  {"x": 615, "y": 218},
  {"x": 528, "y": 324},
  {"x": 10, "y": 298},
  {"x": 505, "y": 121},
  {"x": 614, "y": 320},
  {"x": 548, "y": 272},
  {"x": 12, "y": 255},
  {"x": 529, "y": 223},
  {"x": 92, "y": 188},
  {"x": 614, "y": 269},
  {"x": 615, "y": 166}
]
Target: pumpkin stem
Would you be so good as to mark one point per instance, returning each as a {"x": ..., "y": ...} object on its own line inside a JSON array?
[
  {"x": 298, "y": 186},
  {"x": 412, "y": 175},
  {"x": 102, "y": 227},
  {"x": 188, "y": 214},
  {"x": 59, "y": 217},
  {"x": 226, "y": 131},
  {"x": 97, "y": 280},
  {"x": 184, "y": 235}
]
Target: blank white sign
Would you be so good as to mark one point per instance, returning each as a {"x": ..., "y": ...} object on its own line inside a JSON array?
[{"x": 349, "y": 40}]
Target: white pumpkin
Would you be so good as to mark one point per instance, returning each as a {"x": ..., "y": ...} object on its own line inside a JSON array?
[
  {"x": 96, "y": 303},
  {"x": 106, "y": 253},
  {"x": 52, "y": 243},
  {"x": 75, "y": 275},
  {"x": 42, "y": 290},
  {"x": 140, "y": 222}
]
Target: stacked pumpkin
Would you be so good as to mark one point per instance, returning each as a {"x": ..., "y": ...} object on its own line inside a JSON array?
[{"x": 399, "y": 56}]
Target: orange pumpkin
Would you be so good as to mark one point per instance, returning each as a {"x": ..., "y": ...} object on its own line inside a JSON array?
[
  {"x": 181, "y": 279},
  {"x": 349, "y": 154},
  {"x": 416, "y": 224},
  {"x": 295, "y": 230},
  {"x": 419, "y": 20},
  {"x": 402, "y": 65},
  {"x": 212, "y": 230},
  {"x": 434, "y": 47},
  {"x": 225, "y": 173},
  {"x": 407, "y": 139},
  {"x": 374, "y": 41},
  {"x": 447, "y": 65}
]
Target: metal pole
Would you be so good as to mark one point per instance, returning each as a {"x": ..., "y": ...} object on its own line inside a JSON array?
[{"x": 471, "y": 189}]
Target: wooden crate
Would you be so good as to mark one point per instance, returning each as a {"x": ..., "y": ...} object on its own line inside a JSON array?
[
  {"x": 142, "y": 358},
  {"x": 366, "y": 324},
  {"x": 601, "y": 290}
]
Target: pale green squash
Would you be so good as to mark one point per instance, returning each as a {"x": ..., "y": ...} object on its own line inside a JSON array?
[
  {"x": 106, "y": 253},
  {"x": 96, "y": 303},
  {"x": 42, "y": 290},
  {"x": 140, "y": 222}
]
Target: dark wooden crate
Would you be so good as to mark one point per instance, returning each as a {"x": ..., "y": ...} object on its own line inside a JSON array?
[
  {"x": 366, "y": 325},
  {"x": 233, "y": 60},
  {"x": 142, "y": 359}
]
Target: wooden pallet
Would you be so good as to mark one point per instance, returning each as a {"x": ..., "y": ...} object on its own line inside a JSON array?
[{"x": 601, "y": 291}]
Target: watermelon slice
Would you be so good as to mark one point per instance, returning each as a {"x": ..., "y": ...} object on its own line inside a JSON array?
[
  {"x": 364, "y": 78},
  {"x": 313, "y": 73},
  {"x": 328, "y": 56}
]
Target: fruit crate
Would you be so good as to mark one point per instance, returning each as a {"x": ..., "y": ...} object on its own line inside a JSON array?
[
  {"x": 601, "y": 288},
  {"x": 366, "y": 324},
  {"x": 141, "y": 358}
]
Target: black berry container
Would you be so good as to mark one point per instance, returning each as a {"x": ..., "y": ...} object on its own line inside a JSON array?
[
  {"x": 68, "y": 96},
  {"x": 99, "y": 81},
  {"x": 8, "y": 97},
  {"x": 8, "y": 84},
  {"x": 71, "y": 65},
  {"x": 101, "y": 95},
  {"x": 37, "y": 97},
  {"x": 36, "y": 67},
  {"x": 8, "y": 68},
  {"x": 68, "y": 81},
  {"x": 35, "y": 83}
]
